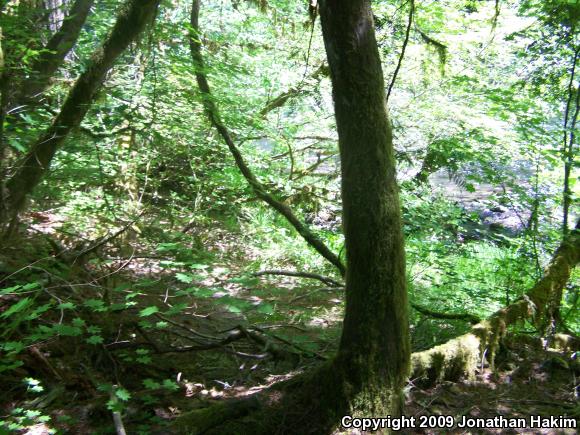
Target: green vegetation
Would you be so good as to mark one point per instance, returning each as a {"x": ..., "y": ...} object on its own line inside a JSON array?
[{"x": 209, "y": 224}]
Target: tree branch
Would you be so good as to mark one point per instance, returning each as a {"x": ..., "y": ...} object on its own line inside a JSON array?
[
  {"x": 55, "y": 51},
  {"x": 403, "y": 49},
  {"x": 259, "y": 189},
  {"x": 324, "y": 279},
  {"x": 451, "y": 316}
]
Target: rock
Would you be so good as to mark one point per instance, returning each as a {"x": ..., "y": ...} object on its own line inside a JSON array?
[{"x": 500, "y": 219}]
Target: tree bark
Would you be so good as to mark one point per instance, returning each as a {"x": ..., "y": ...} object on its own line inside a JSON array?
[
  {"x": 368, "y": 374},
  {"x": 132, "y": 19},
  {"x": 374, "y": 350},
  {"x": 569, "y": 137},
  {"x": 259, "y": 189},
  {"x": 55, "y": 51}
]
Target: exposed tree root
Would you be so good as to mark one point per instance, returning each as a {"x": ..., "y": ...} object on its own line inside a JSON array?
[
  {"x": 310, "y": 403},
  {"x": 459, "y": 357}
]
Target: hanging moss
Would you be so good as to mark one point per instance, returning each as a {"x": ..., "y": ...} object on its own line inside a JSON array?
[{"x": 439, "y": 47}]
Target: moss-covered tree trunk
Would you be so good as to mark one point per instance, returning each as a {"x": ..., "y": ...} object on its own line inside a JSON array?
[
  {"x": 133, "y": 17},
  {"x": 55, "y": 51},
  {"x": 458, "y": 358},
  {"x": 374, "y": 352}
]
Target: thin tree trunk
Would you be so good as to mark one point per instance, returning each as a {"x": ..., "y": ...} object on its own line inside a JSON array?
[
  {"x": 374, "y": 350},
  {"x": 259, "y": 189},
  {"x": 567, "y": 150},
  {"x": 403, "y": 49},
  {"x": 55, "y": 51},
  {"x": 132, "y": 19}
]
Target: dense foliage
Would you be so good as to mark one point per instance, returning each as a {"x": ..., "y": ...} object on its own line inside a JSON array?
[{"x": 144, "y": 237}]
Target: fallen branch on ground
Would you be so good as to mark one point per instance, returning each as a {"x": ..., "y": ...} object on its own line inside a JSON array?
[
  {"x": 472, "y": 318},
  {"x": 207, "y": 342},
  {"x": 325, "y": 279}
]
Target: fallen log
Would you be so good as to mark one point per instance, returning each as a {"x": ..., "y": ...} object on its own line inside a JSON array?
[{"x": 459, "y": 357}]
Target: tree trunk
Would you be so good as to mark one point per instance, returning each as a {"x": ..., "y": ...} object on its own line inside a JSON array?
[
  {"x": 55, "y": 51},
  {"x": 374, "y": 351},
  {"x": 133, "y": 17}
]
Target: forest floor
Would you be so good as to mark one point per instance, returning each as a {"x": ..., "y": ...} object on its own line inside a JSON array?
[{"x": 183, "y": 341}]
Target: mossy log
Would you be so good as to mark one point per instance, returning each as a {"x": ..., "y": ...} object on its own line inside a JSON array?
[{"x": 458, "y": 358}]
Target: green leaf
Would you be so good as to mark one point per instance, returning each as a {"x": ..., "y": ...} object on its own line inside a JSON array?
[
  {"x": 176, "y": 309},
  {"x": 31, "y": 286},
  {"x": 144, "y": 359},
  {"x": 151, "y": 384},
  {"x": 21, "y": 305},
  {"x": 8, "y": 290},
  {"x": 16, "y": 145},
  {"x": 122, "y": 394},
  {"x": 78, "y": 322},
  {"x": 67, "y": 330},
  {"x": 66, "y": 306},
  {"x": 170, "y": 384},
  {"x": 265, "y": 309},
  {"x": 105, "y": 388},
  {"x": 182, "y": 277},
  {"x": 95, "y": 339},
  {"x": 12, "y": 346},
  {"x": 95, "y": 304},
  {"x": 233, "y": 309},
  {"x": 148, "y": 311}
]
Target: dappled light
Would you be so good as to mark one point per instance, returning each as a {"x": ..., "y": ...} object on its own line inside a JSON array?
[{"x": 289, "y": 217}]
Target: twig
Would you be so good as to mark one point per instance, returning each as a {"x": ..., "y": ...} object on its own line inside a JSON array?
[
  {"x": 119, "y": 427},
  {"x": 403, "y": 49},
  {"x": 186, "y": 328}
]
